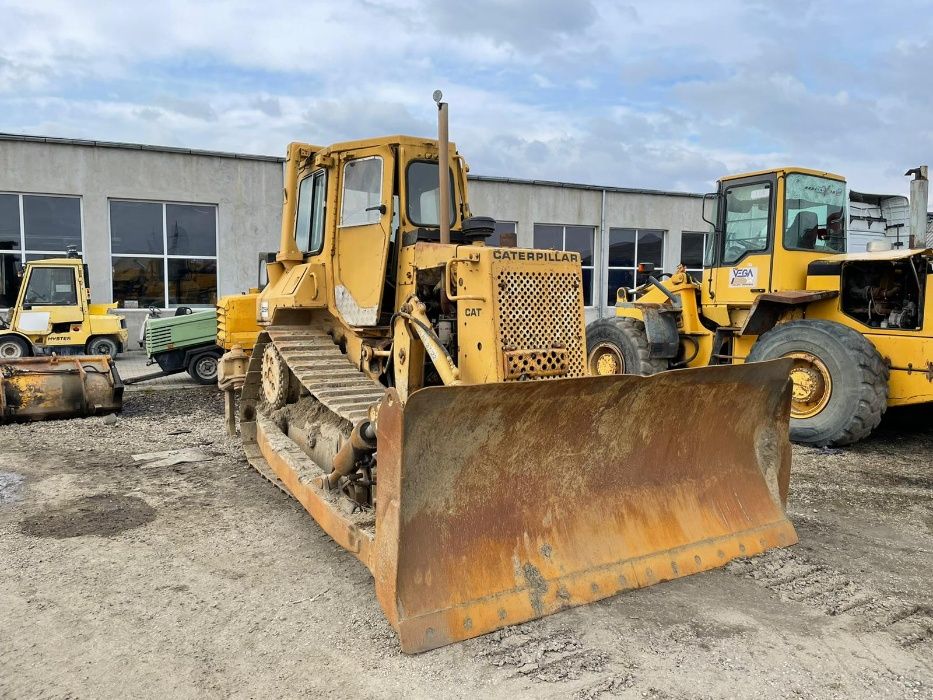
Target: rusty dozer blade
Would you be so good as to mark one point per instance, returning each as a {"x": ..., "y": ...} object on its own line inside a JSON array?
[
  {"x": 36, "y": 388},
  {"x": 500, "y": 503}
]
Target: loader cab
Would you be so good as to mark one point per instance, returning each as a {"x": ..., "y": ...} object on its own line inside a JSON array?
[{"x": 767, "y": 227}]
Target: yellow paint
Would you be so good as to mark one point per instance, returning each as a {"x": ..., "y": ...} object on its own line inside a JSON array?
[
  {"x": 84, "y": 320},
  {"x": 908, "y": 352}
]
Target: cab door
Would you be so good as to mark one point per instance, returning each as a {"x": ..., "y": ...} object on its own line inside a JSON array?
[
  {"x": 364, "y": 222},
  {"x": 49, "y": 296},
  {"x": 745, "y": 247}
]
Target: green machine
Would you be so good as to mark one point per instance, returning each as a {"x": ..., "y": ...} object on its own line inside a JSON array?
[{"x": 185, "y": 342}]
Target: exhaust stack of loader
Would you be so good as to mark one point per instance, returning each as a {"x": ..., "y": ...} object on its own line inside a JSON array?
[{"x": 428, "y": 404}]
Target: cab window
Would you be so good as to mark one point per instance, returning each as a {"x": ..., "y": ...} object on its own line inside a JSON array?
[
  {"x": 423, "y": 191},
  {"x": 362, "y": 192},
  {"x": 814, "y": 214},
  {"x": 309, "y": 220},
  {"x": 51, "y": 286},
  {"x": 748, "y": 213}
]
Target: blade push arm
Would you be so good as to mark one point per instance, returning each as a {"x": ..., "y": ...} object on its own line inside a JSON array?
[{"x": 413, "y": 317}]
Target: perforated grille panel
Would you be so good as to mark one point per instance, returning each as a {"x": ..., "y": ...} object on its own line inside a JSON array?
[
  {"x": 536, "y": 363},
  {"x": 540, "y": 311}
]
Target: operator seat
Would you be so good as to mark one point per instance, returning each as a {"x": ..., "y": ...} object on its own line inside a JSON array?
[{"x": 804, "y": 230}]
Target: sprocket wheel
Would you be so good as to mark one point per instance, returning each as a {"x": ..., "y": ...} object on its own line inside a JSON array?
[{"x": 274, "y": 375}]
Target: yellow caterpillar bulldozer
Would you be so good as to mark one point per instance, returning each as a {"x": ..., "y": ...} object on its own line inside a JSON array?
[
  {"x": 424, "y": 396},
  {"x": 778, "y": 283}
]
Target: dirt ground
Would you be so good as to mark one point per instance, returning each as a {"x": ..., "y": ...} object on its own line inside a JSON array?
[{"x": 203, "y": 580}]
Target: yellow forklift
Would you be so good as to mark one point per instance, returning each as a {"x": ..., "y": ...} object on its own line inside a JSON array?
[{"x": 53, "y": 314}]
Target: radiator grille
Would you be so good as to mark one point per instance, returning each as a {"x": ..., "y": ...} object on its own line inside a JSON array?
[
  {"x": 222, "y": 338},
  {"x": 158, "y": 339},
  {"x": 540, "y": 311}
]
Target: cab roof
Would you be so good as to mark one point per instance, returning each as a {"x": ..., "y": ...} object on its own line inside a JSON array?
[
  {"x": 395, "y": 140},
  {"x": 57, "y": 261},
  {"x": 786, "y": 170}
]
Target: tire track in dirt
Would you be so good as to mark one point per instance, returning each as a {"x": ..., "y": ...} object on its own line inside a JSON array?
[{"x": 795, "y": 576}]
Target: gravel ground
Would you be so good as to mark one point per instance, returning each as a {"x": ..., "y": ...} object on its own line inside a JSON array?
[{"x": 203, "y": 580}]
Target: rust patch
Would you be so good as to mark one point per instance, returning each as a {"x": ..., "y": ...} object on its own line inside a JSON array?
[{"x": 537, "y": 587}]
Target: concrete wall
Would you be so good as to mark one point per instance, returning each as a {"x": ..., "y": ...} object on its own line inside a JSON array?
[
  {"x": 246, "y": 191},
  {"x": 554, "y": 203}
]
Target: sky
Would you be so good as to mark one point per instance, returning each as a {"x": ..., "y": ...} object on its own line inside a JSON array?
[{"x": 667, "y": 94}]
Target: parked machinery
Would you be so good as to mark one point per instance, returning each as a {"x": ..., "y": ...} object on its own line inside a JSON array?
[
  {"x": 74, "y": 343},
  {"x": 53, "y": 313},
  {"x": 779, "y": 284},
  {"x": 424, "y": 397}
]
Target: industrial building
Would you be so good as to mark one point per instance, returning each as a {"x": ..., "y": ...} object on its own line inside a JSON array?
[{"x": 170, "y": 227}]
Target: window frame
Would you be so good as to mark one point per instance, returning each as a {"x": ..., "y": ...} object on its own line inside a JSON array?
[
  {"x": 164, "y": 256},
  {"x": 22, "y": 252},
  {"x": 844, "y": 214},
  {"x": 769, "y": 238},
  {"x": 634, "y": 268},
  {"x": 73, "y": 278},
  {"x": 514, "y": 230},
  {"x": 310, "y": 179},
  {"x": 703, "y": 267},
  {"x": 453, "y": 194},
  {"x": 343, "y": 185},
  {"x": 563, "y": 239}
]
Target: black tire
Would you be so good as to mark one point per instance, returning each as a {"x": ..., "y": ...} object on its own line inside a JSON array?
[
  {"x": 102, "y": 345},
  {"x": 858, "y": 395},
  {"x": 203, "y": 368},
  {"x": 620, "y": 339},
  {"x": 13, "y": 347}
]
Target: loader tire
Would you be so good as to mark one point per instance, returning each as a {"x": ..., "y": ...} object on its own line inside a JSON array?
[
  {"x": 840, "y": 380},
  {"x": 620, "y": 346}
]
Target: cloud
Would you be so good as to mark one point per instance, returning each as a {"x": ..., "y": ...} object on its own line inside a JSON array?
[{"x": 668, "y": 95}]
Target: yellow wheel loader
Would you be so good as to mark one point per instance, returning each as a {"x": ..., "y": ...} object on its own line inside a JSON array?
[
  {"x": 425, "y": 398},
  {"x": 856, "y": 328},
  {"x": 74, "y": 341}
]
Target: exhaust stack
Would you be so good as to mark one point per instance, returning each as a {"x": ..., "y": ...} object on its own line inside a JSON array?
[
  {"x": 919, "y": 198},
  {"x": 443, "y": 168}
]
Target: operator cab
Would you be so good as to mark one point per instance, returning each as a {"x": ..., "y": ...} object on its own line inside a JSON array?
[{"x": 767, "y": 227}]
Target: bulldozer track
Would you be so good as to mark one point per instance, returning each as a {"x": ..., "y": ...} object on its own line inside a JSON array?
[
  {"x": 323, "y": 370},
  {"x": 326, "y": 372}
]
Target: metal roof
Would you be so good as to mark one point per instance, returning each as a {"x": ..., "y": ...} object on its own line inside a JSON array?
[
  {"x": 137, "y": 147},
  {"x": 580, "y": 186},
  {"x": 276, "y": 159}
]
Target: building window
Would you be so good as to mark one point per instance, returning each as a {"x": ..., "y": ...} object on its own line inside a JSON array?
[
  {"x": 163, "y": 254},
  {"x": 511, "y": 236},
  {"x": 629, "y": 248},
  {"x": 692, "y": 245},
  {"x": 33, "y": 227},
  {"x": 579, "y": 239}
]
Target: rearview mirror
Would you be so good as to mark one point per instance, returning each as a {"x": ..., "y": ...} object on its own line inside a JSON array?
[{"x": 710, "y": 208}]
